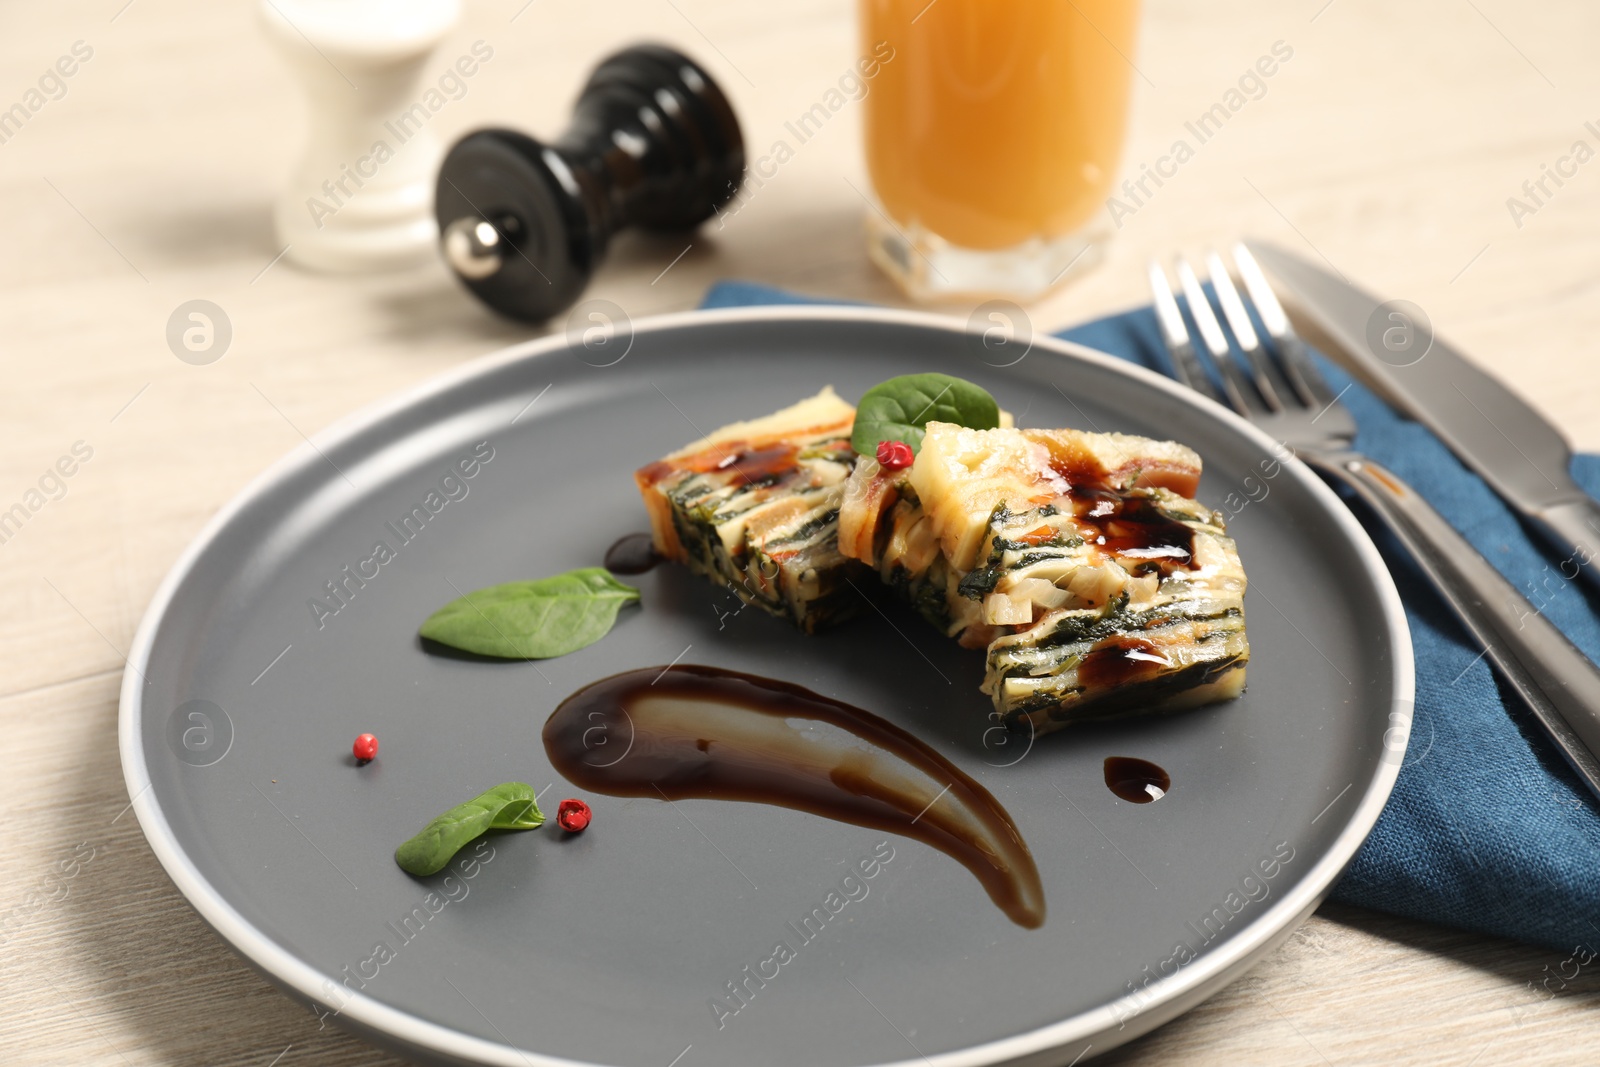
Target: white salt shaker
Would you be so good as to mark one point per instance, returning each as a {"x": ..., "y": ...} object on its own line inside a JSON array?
[{"x": 361, "y": 197}]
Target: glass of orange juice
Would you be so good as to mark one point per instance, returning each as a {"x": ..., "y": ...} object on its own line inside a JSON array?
[{"x": 993, "y": 133}]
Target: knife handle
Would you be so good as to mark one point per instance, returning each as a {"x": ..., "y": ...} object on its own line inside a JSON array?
[
  {"x": 1559, "y": 683},
  {"x": 1574, "y": 529}
]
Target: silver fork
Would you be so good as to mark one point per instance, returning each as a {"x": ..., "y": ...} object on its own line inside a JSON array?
[{"x": 1279, "y": 389}]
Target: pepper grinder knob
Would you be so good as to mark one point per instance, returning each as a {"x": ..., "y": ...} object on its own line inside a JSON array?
[{"x": 653, "y": 143}]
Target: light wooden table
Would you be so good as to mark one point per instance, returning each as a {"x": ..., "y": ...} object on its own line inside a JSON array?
[{"x": 1389, "y": 144}]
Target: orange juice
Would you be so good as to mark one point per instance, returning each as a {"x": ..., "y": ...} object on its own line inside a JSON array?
[{"x": 998, "y": 124}]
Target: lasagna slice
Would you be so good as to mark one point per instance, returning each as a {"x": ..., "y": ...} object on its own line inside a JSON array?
[
  {"x": 1079, "y": 561},
  {"x": 755, "y": 506}
]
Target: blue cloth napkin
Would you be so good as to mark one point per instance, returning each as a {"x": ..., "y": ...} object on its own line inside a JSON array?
[{"x": 1487, "y": 828}]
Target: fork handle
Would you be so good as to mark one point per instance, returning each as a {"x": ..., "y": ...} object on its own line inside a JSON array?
[{"x": 1559, "y": 683}]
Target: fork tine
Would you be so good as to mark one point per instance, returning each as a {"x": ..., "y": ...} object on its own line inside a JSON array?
[
  {"x": 1175, "y": 334},
  {"x": 1303, "y": 376},
  {"x": 1244, "y": 330},
  {"x": 1233, "y": 384}
]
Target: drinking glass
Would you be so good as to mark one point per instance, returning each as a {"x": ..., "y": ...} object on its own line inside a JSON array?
[{"x": 993, "y": 132}]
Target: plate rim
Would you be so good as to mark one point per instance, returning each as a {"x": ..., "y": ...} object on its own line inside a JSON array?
[{"x": 1133, "y": 1015}]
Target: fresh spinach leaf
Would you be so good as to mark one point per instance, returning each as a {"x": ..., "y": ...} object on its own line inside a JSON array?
[
  {"x": 510, "y": 806},
  {"x": 898, "y": 409},
  {"x": 532, "y": 620}
]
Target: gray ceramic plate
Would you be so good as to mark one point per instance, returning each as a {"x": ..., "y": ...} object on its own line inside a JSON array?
[{"x": 612, "y": 947}]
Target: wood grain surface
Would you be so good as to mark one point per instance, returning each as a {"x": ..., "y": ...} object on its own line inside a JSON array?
[{"x": 1389, "y": 145}]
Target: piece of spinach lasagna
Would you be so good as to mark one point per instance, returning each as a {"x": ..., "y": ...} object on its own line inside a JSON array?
[
  {"x": 755, "y": 506},
  {"x": 1079, "y": 561}
]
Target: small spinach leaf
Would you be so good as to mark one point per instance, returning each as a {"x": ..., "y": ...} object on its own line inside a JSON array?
[
  {"x": 898, "y": 409},
  {"x": 532, "y": 620},
  {"x": 510, "y": 806}
]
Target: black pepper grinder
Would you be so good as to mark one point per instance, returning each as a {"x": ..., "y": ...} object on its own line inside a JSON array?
[{"x": 653, "y": 143}]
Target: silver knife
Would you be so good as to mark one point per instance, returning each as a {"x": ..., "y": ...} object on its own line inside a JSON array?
[{"x": 1493, "y": 431}]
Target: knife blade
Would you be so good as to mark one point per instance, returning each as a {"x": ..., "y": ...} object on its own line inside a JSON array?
[{"x": 1511, "y": 446}]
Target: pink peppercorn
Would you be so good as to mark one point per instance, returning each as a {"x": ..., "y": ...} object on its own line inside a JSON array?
[
  {"x": 573, "y": 815},
  {"x": 894, "y": 455}
]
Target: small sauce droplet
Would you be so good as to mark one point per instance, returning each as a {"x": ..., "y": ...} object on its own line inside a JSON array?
[
  {"x": 1122, "y": 519},
  {"x": 1121, "y": 660},
  {"x": 1134, "y": 528},
  {"x": 740, "y": 458},
  {"x": 633, "y": 554},
  {"x": 1135, "y": 780},
  {"x": 755, "y": 464}
]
